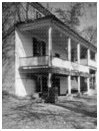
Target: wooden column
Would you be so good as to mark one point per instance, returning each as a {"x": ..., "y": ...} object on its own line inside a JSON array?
[
  {"x": 78, "y": 84},
  {"x": 78, "y": 53},
  {"x": 49, "y": 80},
  {"x": 88, "y": 84},
  {"x": 95, "y": 57},
  {"x": 41, "y": 83},
  {"x": 69, "y": 84},
  {"x": 88, "y": 54},
  {"x": 69, "y": 49},
  {"x": 50, "y": 44},
  {"x": 96, "y": 79}
]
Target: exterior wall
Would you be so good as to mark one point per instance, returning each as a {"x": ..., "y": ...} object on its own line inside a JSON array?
[
  {"x": 24, "y": 44},
  {"x": 8, "y": 63},
  {"x": 63, "y": 85},
  {"x": 74, "y": 83},
  {"x": 23, "y": 84}
]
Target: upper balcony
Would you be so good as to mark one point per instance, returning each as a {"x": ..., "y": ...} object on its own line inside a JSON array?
[{"x": 43, "y": 61}]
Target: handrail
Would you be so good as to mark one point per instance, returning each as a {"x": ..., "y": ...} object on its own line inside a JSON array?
[{"x": 32, "y": 57}]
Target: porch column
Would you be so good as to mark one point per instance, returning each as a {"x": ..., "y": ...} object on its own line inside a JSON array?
[
  {"x": 88, "y": 54},
  {"x": 78, "y": 53},
  {"x": 78, "y": 84},
  {"x": 49, "y": 80},
  {"x": 50, "y": 44},
  {"x": 88, "y": 84},
  {"x": 96, "y": 79},
  {"x": 69, "y": 49},
  {"x": 69, "y": 84},
  {"x": 95, "y": 57},
  {"x": 41, "y": 83}
]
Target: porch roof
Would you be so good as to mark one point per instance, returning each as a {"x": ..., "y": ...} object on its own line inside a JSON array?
[{"x": 51, "y": 20}]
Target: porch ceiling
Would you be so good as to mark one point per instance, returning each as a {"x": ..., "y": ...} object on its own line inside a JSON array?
[{"x": 53, "y": 21}]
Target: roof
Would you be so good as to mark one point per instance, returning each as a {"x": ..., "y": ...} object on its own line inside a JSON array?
[
  {"x": 49, "y": 15},
  {"x": 55, "y": 20}
]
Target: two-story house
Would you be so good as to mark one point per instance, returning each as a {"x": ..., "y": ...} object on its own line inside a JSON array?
[{"x": 49, "y": 54}]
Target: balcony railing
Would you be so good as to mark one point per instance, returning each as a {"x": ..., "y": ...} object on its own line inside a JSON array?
[
  {"x": 58, "y": 62},
  {"x": 34, "y": 61}
]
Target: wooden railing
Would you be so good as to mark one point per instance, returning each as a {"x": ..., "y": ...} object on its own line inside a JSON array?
[
  {"x": 58, "y": 62},
  {"x": 34, "y": 61}
]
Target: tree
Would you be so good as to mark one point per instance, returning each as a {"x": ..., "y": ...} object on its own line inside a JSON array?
[
  {"x": 90, "y": 34},
  {"x": 48, "y": 7},
  {"x": 71, "y": 16}
]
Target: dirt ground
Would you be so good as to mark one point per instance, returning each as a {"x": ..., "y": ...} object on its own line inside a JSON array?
[{"x": 68, "y": 113}]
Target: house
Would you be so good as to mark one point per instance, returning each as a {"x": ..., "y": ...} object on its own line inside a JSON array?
[{"x": 49, "y": 54}]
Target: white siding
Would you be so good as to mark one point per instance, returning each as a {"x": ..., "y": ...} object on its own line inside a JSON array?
[{"x": 23, "y": 85}]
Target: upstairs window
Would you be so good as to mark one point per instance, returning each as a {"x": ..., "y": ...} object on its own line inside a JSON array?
[
  {"x": 83, "y": 52},
  {"x": 92, "y": 55}
]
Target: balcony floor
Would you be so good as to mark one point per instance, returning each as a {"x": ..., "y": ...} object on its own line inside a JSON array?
[{"x": 54, "y": 70}]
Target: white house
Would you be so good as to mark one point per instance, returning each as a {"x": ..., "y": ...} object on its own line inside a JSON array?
[{"x": 48, "y": 54}]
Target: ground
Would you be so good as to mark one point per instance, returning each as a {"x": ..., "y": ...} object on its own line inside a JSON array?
[{"x": 75, "y": 113}]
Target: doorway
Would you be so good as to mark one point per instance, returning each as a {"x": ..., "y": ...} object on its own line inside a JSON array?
[
  {"x": 39, "y": 47},
  {"x": 56, "y": 84}
]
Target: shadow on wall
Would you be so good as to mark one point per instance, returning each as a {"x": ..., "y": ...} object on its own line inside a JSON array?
[{"x": 29, "y": 83}]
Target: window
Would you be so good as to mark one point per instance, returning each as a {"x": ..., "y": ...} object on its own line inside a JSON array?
[
  {"x": 83, "y": 52},
  {"x": 92, "y": 55},
  {"x": 73, "y": 51},
  {"x": 39, "y": 48}
]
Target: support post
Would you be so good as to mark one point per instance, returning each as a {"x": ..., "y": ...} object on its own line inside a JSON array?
[
  {"x": 49, "y": 80},
  {"x": 78, "y": 53},
  {"x": 88, "y": 54},
  {"x": 51, "y": 93},
  {"x": 41, "y": 84},
  {"x": 88, "y": 85},
  {"x": 69, "y": 85},
  {"x": 79, "y": 84},
  {"x": 50, "y": 44},
  {"x": 69, "y": 49},
  {"x": 96, "y": 79}
]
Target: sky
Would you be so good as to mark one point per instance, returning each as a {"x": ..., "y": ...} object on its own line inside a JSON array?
[{"x": 90, "y": 14}]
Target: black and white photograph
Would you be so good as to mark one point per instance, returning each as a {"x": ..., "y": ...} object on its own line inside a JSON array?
[{"x": 49, "y": 65}]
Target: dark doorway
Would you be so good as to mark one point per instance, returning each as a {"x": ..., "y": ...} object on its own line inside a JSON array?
[
  {"x": 83, "y": 83},
  {"x": 56, "y": 84},
  {"x": 44, "y": 84},
  {"x": 39, "y": 47}
]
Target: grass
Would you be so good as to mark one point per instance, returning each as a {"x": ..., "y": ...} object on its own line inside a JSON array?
[{"x": 75, "y": 113}]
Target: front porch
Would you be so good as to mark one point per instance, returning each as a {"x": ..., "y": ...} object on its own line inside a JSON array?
[{"x": 43, "y": 47}]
